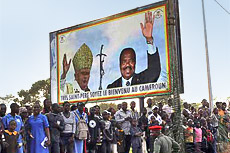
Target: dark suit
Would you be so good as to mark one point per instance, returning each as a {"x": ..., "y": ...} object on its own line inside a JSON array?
[{"x": 151, "y": 74}]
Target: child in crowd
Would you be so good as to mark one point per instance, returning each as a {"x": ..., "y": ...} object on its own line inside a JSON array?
[
  {"x": 153, "y": 121},
  {"x": 204, "y": 135},
  {"x": 136, "y": 134},
  {"x": 198, "y": 137},
  {"x": 114, "y": 141},
  {"x": 215, "y": 117},
  {"x": 107, "y": 133},
  {"x": 184, "y": 123},
  {"x": 94, "y": 131},
  {"x": 11, "y": 137},
  {"x": 120, "y": 138},
  {"x": 188, "y": 133},
  {"x": 143, "y": 120},
  {"x": 143, "y": 124},
  {"x": 99, "y": 141},
  {"x": 56, "y": 126}
]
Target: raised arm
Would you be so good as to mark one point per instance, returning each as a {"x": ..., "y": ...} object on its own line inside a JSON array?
[
  {"x": 66, "y": 66},
  {"x": 147, "y": 27}
]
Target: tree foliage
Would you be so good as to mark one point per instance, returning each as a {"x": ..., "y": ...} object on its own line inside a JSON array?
[
  {"x": 163, "y": 99},
  {"x": 106, "y": 106},
  {"x": 37, "y": 91},
  {"x": 228, "y": 99},
  {"x": 7, "y": 99}
]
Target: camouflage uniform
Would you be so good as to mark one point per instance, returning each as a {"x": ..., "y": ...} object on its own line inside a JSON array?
[{"x": 165, "y": 144}]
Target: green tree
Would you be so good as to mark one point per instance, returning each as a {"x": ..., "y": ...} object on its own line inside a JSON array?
[
  {"x": 37, "y": 91},
  {"x": 106, "y": 106},
  {"x": 163, "y": 99},
  {"x": 24, "y": 97},
  {"x": 40, "y": 89},
  {"x": 7, "y": 99}
]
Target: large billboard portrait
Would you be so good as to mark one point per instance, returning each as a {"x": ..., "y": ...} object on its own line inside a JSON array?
[{"x": 122, "y": 56}]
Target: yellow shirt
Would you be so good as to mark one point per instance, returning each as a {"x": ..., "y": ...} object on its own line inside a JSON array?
[
  {"x": 10, "y": 133},
  {"x": 221, "y": 113},
  {"x": 189, "y": 135}
]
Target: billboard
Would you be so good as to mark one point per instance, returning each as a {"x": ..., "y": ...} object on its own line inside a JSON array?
[{"x": 121, "y": 56}]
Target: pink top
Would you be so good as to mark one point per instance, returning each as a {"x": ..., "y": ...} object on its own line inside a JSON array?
[{"x": 198, "y": 133}]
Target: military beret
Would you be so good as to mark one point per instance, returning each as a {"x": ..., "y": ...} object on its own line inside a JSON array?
[{"x": 155, "y": 128}]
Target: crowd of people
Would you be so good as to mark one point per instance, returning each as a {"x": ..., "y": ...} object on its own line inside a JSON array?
[
  {"x": 206, "y": 131},
  {"x": 70, "y": 128}
]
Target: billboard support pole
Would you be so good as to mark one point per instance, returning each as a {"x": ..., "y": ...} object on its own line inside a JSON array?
[
  {"x": 172, "y": 18},
  {"x": 207, "y": 60},
  {"x": 141, "y": 102}
]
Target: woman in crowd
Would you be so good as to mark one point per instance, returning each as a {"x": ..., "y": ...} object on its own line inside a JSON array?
[
  {"x": 67, "y": 136},
  {"x": 38, "y": 131}
]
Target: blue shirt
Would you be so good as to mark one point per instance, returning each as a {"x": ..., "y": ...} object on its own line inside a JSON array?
[
  {"x": 78, "y": 144},
  {"x": 83, "y": 115},
  {"x": 37, "y": 127},
  {"x": 6, "y": 121}
]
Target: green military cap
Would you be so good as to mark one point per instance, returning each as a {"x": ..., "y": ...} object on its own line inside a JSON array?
[{"x": 83, "y": 58}]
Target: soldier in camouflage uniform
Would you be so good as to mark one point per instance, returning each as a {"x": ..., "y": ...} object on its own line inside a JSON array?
[{"x": 162, "y": 143}]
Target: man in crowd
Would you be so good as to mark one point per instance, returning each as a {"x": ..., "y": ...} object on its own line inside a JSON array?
[
  {"x": 3, "y": 110},
  {"x": 168, "y": 108},
  {"x": 47, "y": 106},
  {"x": 220, "y": 110},
  {"x": 118, "y": 106},
  {"x": 186, "y": 112},
  {"x": 143, "y": 124},
  {"x": 149, "y": 106},
  {"x": 224, "y": 106},
  {"x": 29, "y": 110},
  {"x": 160, "y": 109},
  {"x": 94, "y": 131},
  {"x": 123, "y": 116},
  {"x": 80, "y": 115},
  {"x": 56, "y": 123},
  {"x": 203, "y": 102},
  {"x": 133, "y": 110},
  {"x": 215, "y": 118},
  {"x": 155, "y": 115},
  {"x": 97, "y": 112}
]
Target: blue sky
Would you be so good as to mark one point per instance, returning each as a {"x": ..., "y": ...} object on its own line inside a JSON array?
[{"x": 24, "y": 40}]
